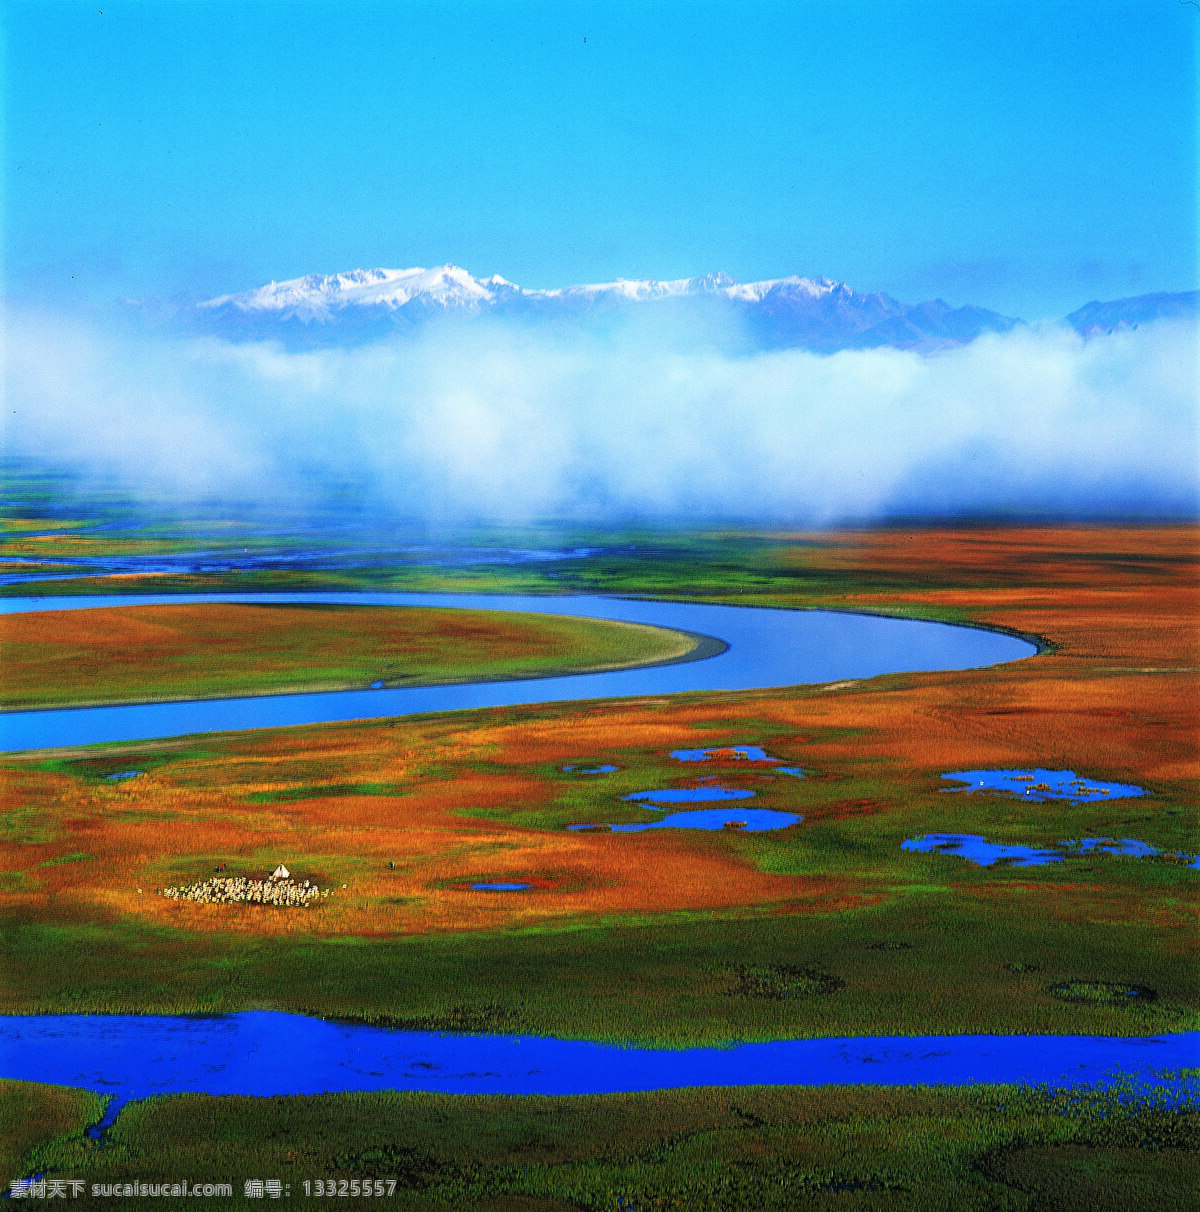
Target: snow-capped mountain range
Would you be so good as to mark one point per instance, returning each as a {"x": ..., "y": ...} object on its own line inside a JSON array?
[
  {"x": 318, "y": 297},
  {"x": 793, "y": 312}
]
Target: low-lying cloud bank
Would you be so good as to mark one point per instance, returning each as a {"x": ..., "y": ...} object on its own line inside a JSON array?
[{"x": 501, "y": 421}]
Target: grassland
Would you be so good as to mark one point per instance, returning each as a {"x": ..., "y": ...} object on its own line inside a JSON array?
[
  {"x": 404, "y": 813},
  {"x": 728, "y": 1150},
  {"x": 219, "y": 650},
  {"x": 650, "y": 935}
]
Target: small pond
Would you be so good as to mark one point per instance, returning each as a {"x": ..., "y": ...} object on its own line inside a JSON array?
[
  {"x": 747, "y": 820},
  {"x": 972, "y": 846},
  {"x": 589, "y": 769},
  {"x": 256, "y": 1053},
  {"x": 978, "y": 850},
  {"x": 689, "y": 795},
  {"x": 751, "y": 753},
  {"x": 500, "y": 887},
  {"x": 1040, "y": 785}
]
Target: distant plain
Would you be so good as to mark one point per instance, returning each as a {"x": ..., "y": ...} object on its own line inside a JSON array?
[{"x": 671, "y": 936}]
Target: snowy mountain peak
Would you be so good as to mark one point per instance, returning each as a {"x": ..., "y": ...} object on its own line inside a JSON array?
[
  {"x": 315, "y": 297},
  {"x": 792, "y": 312}
]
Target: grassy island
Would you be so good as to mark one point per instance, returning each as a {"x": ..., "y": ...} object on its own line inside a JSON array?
[{"x": 129, "y": 654}]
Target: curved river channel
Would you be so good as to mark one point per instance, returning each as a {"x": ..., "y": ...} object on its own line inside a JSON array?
[
  {"x": 764, "y": 647},
  {"x": 254, "y": 1053}
]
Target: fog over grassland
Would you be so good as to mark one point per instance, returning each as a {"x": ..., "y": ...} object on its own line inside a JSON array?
[{"x": 510, "y": 420}]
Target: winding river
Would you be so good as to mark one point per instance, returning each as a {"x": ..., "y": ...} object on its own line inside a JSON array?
[
  {"x": 764, "y": 647},
  {"x": 254, "y": 1053}
]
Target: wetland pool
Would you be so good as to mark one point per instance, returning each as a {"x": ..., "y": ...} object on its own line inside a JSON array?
[
  {"x": 255, "y": 1053},
  {"x": 1039, "y": 785},
  {"x": 742, "y": 820},
  {"x": 756, "y": 647},
  {"x": 688, "y": 795},
  {"x": 979, "y": 850}
]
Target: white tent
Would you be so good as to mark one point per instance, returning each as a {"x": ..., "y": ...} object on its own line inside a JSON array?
[{"x": 280, "y": 873}]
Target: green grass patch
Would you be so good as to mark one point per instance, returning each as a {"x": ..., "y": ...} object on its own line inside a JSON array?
[
  {"x": 34, "y": 1115},
  {"x": 708, "y": 1150},
  {"x": 677, "y": 980}
]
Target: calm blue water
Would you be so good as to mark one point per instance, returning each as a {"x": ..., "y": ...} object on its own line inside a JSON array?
[
  {"x": 499, "y": 887},
  {"x": 589, "y": 769},
  {"x": 766, "y": 648},
  {"x": 1128, "y": 846},
  {"x": 756, "y": 820},
  {"x": 972, "y": 846},
  {"x": 752, "y": 753},
  {"x": 265, "y": 1052},
  {"x": 689, "y": 795},
  {"x": 1040, "y": 785}
]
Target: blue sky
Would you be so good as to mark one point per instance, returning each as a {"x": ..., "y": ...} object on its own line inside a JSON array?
[{"x": 1027, "y": 156}]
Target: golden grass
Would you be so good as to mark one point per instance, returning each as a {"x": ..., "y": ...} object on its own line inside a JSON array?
[{"x": 139, "y": 653}]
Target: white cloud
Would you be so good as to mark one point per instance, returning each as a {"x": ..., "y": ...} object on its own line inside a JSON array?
[{"x": 497, "y": 420}]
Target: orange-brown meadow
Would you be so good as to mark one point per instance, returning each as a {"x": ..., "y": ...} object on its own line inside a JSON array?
[{"x": 400, "y": 817}]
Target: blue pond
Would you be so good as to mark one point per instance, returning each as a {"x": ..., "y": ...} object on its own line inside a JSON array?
[
  {"x": 752, "y": 820},
  {"x": 972, "y": 846},
  {"x": 752, "y": 753},
  {"x": 589, "y": 769},
  {"x": 499, "y": 887},
  {"x": 1128, "y": 846},
  {"x": 975, "y": 848},
  {"x": 755, "y": 820},
  {"x": 124, "y": 774},
  {"x": 256, "y": 1053},
  {"x": 1039, "y": 785},
  {"x": 689, "y": 795}
]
